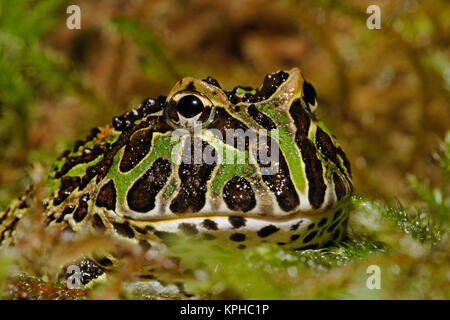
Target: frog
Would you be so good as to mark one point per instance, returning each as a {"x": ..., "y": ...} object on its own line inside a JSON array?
[{"x": 266, "y": 171}]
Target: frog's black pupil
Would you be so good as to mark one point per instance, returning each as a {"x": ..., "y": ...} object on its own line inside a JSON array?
[{"x": 189, "y": 106}]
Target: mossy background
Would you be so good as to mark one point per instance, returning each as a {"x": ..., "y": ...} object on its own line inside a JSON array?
[{"x": 383, "y": 93}]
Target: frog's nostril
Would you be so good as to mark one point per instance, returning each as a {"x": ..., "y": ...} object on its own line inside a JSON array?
[{"x": 189, "y": 106}]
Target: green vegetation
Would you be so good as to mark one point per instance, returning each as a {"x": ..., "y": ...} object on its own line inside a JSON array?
[
  {"x": 31, "y": 73},
  {"x": 157, "y": 64}
]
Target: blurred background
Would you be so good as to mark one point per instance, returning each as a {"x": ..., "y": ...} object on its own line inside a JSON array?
[{"x": 384, "y": 93}]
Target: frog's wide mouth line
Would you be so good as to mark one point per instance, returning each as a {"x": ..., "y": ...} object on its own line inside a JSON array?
[
  {"x": 224, "y": 223},
  {"x": 310, "y": 215},
  {"x": 259, "y": 225},
  {"x": 294, "y": 231}
]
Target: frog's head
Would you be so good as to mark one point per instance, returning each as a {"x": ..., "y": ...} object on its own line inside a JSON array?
[{"x": 194, "y": 101}]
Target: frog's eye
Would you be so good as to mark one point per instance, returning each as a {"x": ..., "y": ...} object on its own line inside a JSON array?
[
  {"x": 189, "y": 106},
  {"x": 309, "y": 96},
  {"x": 187, "y": 109}
]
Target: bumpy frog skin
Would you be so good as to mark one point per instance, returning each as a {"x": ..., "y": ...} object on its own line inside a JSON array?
[{"x": 123, "y": 179}]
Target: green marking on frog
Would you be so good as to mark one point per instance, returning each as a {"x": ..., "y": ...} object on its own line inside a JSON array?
[
  {"x": 81, "y": 168},
  {"x": 114, "y": 139},
  {"x": 163, "y": 145},
  {"x": 286, "y": 144},
  {"x": 234, "y": 162},
  {"x": 243, "y": 91},
  {"x": 170, "y": 188}
]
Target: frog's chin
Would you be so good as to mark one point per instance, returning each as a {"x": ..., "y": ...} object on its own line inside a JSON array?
[{"x": 248, "y": 230}]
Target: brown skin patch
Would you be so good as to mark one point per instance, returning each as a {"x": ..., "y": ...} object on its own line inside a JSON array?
[
  {"x": 5, "y": 214},
  {"x": 271, "y": 83},
  {"x": 89, "y": 271},
  {"x": 191, "y": 197},
  {"x": 313, "y": 168},
  {"x": 238, "y": 195},
  {"x": 141, "y": 196},
  {"x": 294, "y": 237},
  {"x": 136, "y": 149},
  {"x": 141, "y": 230},
  {"x": 345, "y": 160},
  {"x": 124, "y": 229},
  {"x": 128, "y": 128},
  {"x": 237, "y": 237},
  {"x": 309, "y": 93},
  {"x": 237, "y": 221},
  {"x": 267, "y": 231},
  {"x": 97, "y": 223},
  {"x": 326, "y": 146},
  {"x": 322, "y": 222},
  {"x": 68, "y": 184},
  {"x": 260, "y": 118},
  {"x": 329, "y": 150},
  {"x": 301, "y": 118},
  {"x": 295, "y": 226},
  {"x": 209, "y": 224},
  {"x": 23, "y": 204},
  {"x": 82, "y": 209},
  {"x": 107, "y": 196},
  {"x": 339, "y": 186},
  {"x": 212, "y": 81},
  {"x": 67, "y": 210},
  {"x": 144, "y": 245},
  {"x": 188, "y": 228},
  {"x": 105, "y": 262},
  {"x": 280, "y": 182},
  {"x": 223, "y": 121},
  {"x": 313, "y": 165},
  {"x": 337, "y": 214},
  {"x": 310, "y": 236},
  {"x": 9, "y": 228}
]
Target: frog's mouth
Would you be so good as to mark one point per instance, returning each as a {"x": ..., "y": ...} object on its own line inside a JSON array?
[{"x": 294, "y": 231}]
